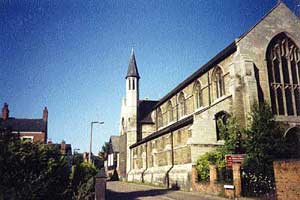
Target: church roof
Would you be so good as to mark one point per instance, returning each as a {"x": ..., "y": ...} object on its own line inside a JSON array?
[
  {"x": 227, "y": 51},
  {"x": 145, "y": 108},
  {"x": 24, "y": 125},
  {"x": 183, "y": 122},
  {"x": 132, "y": 68}
]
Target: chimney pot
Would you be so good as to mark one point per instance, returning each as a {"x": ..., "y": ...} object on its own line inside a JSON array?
[
  {"x": 45, "y": 114},
  {"x": 5, "y": 111}
]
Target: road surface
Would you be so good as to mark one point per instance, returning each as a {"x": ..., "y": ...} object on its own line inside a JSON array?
[{"x": 117, "y": 190}]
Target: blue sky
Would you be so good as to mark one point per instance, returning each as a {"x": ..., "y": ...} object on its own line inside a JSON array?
[{"x": 72, "y": 56}]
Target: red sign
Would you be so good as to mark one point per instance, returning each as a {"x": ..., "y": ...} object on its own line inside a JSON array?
[{"x": 234, "y": 158}]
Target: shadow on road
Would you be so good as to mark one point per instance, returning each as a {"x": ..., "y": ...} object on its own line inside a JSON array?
[{"x": 113, "y": 195}]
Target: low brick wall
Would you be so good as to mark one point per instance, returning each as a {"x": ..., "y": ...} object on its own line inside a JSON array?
[
  {"x": 211, "y": 187},
  {"x": 287, "y": 179}
]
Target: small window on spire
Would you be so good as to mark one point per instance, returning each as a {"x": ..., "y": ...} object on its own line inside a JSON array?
[
  {"x": 133, "y": 84},
  {"x": 129, "y": 84}
]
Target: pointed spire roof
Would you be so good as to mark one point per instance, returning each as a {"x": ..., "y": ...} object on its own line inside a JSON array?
[{"x": 132, "y": 68}]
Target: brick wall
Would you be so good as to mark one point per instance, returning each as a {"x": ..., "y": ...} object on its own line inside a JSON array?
[
  {"x": 37, "y": 137},
  {"x": 287, "y": 178}
]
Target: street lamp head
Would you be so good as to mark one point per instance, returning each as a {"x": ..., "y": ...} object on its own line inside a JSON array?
[{"x": 96, "y": 122}]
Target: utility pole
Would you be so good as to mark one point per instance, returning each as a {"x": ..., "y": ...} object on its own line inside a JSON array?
[{"x": 91, "y": 138}]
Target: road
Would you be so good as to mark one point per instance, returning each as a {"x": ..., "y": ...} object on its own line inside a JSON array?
[{"x": 117, "y": 190}]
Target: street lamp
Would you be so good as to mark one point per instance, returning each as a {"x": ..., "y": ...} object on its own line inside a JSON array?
[{"x": 91, "y": 139}]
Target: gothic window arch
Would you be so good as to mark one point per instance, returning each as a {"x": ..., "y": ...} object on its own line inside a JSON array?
[
  {"x": 170, "y": 111},
  {"x": 197, "y": 93},
  {"x": 218, "y": 82},
  {"x": 283, "y": 63},
  {"x": 159, "y": 118},
  {"x": 223, "y": 117},
  {"x": 181, "y": 105}
]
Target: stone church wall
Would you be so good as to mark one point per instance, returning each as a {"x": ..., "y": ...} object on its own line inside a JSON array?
[{"x": 253, "y": 47}]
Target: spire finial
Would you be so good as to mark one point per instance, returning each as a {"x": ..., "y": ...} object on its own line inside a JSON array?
[{"x": 132, "y": 68}]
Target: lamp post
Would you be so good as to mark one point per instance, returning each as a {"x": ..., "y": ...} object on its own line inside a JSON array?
[{"x": 91, "y": 139}]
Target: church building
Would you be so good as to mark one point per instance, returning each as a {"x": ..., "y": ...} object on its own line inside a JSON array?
[{"x": 161, "y": 140}]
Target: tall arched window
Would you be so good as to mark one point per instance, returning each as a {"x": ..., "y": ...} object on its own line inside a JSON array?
[
  {"x": 223, "y": 117},
  {"x": 159, "y": 118},
  {"x": 197, "y": 93},
  {"x": 170, "y": 112},
  {"x": 182, "y": 105},
  {"x": 218, "y": 79},
  {"x": 283, "y": 61}
]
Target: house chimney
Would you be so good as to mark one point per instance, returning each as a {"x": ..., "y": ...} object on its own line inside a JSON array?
[
  {"x": 45, "y": 114},
  {"x": 63, "y": 147},
  {"x": 5, "y": 111}
]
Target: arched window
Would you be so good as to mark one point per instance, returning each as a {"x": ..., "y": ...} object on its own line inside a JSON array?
[
  {"x": 283, "y": 61},
  {"x": 170, "y": 112},
  {"x": 197, "y": 93},
  {"x": 292, "y": 137},
  {"x": 182, "y": 105},
  {"x": 159, "y": 118},
  {"x": 218, "y": 79},
  {"x": 223, "y": 116}
]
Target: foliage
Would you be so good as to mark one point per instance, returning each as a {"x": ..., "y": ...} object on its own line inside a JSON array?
[
  {"x": 83, "y": 180},
  {"x": 209, "y": 158},
  {"x": 264, "y": 143},
  {"x": 232, "y": 136},
  {"x": 232, "y": 143},
  {"x": 104, "y": 151},
  {"x": 39, "y": 171},
  {"x": 31, "y": 171}
]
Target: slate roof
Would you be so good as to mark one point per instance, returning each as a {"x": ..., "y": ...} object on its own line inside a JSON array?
[
  {"x": 168, "y": 129},
  {"x": 132, "y": 68},
  {"x": 144, "y": 111},
  {"x": 115, "y": 143},
  {"x": 230, "y": 49},
  {"x": 24, "y": 125}
]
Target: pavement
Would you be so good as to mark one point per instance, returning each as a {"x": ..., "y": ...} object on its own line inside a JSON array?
[{"x": 117, "y": 190}]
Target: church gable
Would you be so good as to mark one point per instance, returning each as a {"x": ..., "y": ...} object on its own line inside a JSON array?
[{"x": 280, "y": 19}]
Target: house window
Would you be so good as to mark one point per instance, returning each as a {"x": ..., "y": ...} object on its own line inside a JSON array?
[
  {"x": 182, "y": 105},
  {"x": 170, "y": 112},
  {"x": 197, "y": 95},
  {"x": 283, "y": 61},
  {"x": 27, "y": 138},
  {"x": 221, "y": 116},
  {"x": 218, "y": 79},
  {"x": 159, "y": 118}
]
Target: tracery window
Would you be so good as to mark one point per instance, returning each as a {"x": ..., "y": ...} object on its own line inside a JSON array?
[
  {"x": 170, "y": 112},
  {"x": 283, "y": 61},
  {"x": 197, "y": 93},
  {"x": 159, "y": 118},
  {"x": 218, "y": 79},
  {"x": 182, "y": 105}
]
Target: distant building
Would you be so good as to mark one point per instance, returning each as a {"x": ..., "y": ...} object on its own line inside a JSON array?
[
  {"x": 34, "y": 130},
  {"x": 65, "y": 149},
  {"x": 112, "y": 162}
]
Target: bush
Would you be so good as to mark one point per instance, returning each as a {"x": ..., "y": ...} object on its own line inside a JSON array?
[
  {"x": 31, "y": 171},
  {"x": 209, "y": 158},
  {"x": 39, "y": 171}
]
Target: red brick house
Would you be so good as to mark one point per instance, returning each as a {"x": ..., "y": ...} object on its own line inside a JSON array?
[{"x": 34, "y": 130}]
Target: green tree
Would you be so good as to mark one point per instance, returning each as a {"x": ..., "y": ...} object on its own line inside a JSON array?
[
  {"x": 31, "y": 171},
  {"x": 104, "y": 151}
]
